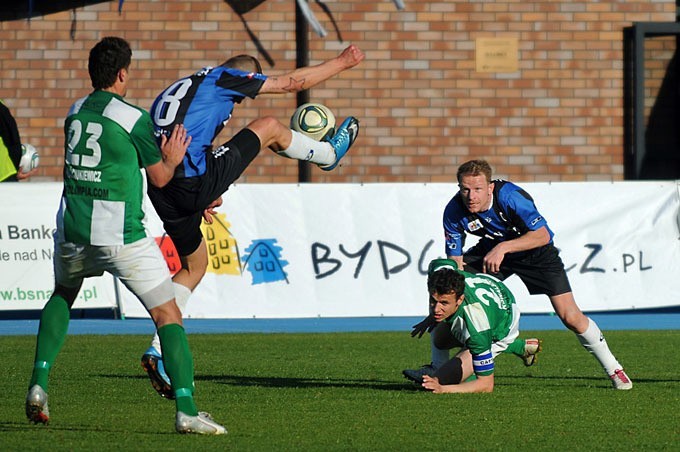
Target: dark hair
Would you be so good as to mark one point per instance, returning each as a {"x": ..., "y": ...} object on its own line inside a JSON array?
[
  {"x": 107, "y": 57},
  {"x": 445, "y": 281},
  {"x": 245, "y": 63},
  {"x": 474, "y": 168}
]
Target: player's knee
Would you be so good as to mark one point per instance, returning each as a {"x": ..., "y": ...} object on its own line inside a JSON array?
[
  {"x": 451, "y": 373},
  {"x": 574, "y": 319},
  {"x": 269, "y": 130},
  {"x": 265, "y": 127}
]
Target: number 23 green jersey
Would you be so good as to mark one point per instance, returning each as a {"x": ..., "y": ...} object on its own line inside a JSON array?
[{"x": 107, "y": 141}]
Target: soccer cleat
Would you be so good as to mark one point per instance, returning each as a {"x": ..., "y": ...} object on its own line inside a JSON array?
[
  {"x": 620, "y": 380},
  {"x": 531, "y": 349},
  {"x": 416, "y": 375},
  {"x": 342, "y": 140},
  {"x": 202, "y": 424},
  {"x": 36, "y": 405},
  {"x": 152, "y": 363}
]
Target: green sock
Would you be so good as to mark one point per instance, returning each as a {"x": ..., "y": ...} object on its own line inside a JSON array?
[
  {"x": 517, "y": 347},
  {"x": 51, "y": 336},
  {"x": 179, "y": 364}
]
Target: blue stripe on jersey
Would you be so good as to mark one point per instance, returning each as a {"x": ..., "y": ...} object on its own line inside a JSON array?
[
  {"x": 483, "y": 363},
  {"x": 203, "y": 102},
  {"x": 523, "y": 213}
]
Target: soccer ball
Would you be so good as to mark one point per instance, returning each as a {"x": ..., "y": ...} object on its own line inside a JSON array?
[
  {"x": 314, "y": 120},
  {"x": 29, "y": 158}
]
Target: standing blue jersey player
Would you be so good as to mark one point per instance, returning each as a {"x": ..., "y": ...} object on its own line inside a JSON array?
[
  {"x": 515, "y": 239},
  {"x": 204, "y": 102}
]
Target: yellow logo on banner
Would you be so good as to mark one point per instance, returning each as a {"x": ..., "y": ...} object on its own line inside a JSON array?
[{"x": 223, "y": 255}]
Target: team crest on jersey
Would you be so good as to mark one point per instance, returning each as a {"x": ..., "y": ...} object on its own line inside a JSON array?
[{"x": 475, "y": 225}]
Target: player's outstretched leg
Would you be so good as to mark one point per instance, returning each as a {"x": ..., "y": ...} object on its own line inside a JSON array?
[
  {"x": 36, "y": 405},
  {"x": 152, "y": 363},
  {"x": 342, "y": 140}
]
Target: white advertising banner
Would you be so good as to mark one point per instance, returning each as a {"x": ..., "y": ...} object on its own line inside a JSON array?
[
  {"x": 348, "y": 250},
  {"x": 27, "y": 222},
  {"x": 361, "y": 250}
]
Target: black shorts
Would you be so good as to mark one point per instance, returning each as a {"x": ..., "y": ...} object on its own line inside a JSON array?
[
  {"x": 541, "y": 269},
  {"x": 180, "y": 204}
]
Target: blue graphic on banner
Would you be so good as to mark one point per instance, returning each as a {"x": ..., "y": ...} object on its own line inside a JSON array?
[{"x": 263, "y": 261}]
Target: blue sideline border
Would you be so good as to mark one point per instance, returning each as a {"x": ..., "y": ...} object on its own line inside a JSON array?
[{"x": 659, "y": 320}]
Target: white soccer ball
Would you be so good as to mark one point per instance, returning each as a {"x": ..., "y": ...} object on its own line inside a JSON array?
[
  {"x": 29, "y": 158},
  {"x": 314, "y": 120}
]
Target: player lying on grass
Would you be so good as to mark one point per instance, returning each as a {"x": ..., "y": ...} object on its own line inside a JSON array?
[{"x": 477, "y": 313}]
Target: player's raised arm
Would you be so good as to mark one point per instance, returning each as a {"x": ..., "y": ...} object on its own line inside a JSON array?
[{"x": 309, "y": 76}]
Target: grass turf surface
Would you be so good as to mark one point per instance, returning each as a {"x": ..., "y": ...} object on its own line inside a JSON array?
[{"x": 344, "y": 391}]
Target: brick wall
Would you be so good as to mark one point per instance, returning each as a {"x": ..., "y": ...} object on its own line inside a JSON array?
[{"x": 423, "y": 107}]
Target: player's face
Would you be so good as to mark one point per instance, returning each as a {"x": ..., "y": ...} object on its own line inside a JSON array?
[
  {"x": 476, "y": 192},
  {"x": 445, "y": 305}
]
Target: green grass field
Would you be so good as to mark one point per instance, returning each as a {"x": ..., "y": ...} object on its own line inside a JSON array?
[{"x": 319, "y": 392}]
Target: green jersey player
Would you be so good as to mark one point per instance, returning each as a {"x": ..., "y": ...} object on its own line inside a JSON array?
[
  {"x": 476, "y": 312},
  {"x": 99, "y": 227}
]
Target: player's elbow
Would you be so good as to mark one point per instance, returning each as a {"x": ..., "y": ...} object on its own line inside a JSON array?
[
  {"x": 159, "y": 174},
  {"x": 543, "y": 236},
  {"x": 485, "y": 384},
  {"x": 157, "y": 180}
]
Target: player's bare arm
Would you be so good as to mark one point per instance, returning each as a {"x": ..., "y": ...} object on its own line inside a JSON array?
[
  {"x": 483, "y": 383},
  {"x": 530, "y": 240},
  {"x": 172, "y": 152},
  {"x": 307, "y": 77}
]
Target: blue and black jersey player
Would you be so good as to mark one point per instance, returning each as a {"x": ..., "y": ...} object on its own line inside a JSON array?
[
  {"x": 204, "y": 102},
  {"x": 514, "y": 239}
]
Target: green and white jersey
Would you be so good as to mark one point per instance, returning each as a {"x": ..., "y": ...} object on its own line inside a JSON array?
[
  {"x": 107, "y": 141},
  {"x": 485, "y": 316}
]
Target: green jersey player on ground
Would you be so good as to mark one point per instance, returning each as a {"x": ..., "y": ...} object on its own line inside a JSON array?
[
  {"x": 99, "y": 227},
  {"x": 476, "y": 312}
]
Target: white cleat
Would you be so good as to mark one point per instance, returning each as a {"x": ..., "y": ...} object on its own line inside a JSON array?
[
  {"x": 36, "y": 405},
  {"x": 202, "y": 424},
  {"x": 531, "y": 349},
  {"x": 620, "y": 380}
]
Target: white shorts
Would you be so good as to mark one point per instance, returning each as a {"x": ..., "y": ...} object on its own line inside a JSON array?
[
  {"x": 139, "y": 266},
  {"x": 502, "y": 345}
]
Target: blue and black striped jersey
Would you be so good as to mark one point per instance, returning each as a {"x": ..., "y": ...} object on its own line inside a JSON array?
[
  {"x": 203, "y": 102},
  {"x": 513, "y": 213}
]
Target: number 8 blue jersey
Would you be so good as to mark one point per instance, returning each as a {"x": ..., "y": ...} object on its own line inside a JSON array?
[{"x": 203, "y": 102}]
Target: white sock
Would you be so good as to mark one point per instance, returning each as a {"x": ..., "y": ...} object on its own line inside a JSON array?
[
  {"x": 593, "y": 341},
  {"x": 439, "y": 355},
  {"x": 305, "y": 148},
  {"x": 182, "y": 294}
]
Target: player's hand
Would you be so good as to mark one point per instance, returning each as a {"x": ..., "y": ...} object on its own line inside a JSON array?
[
  {"x": 492, "y": 261},
  {"x": 351, "y": 56},
  {"x": 427, "y": 324},
  {"x": 432, "y": 384},
  {"x": 210, "y": 210},
  {"x": 21, "y": 175},
  {"x": 174, "y": 148}
]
